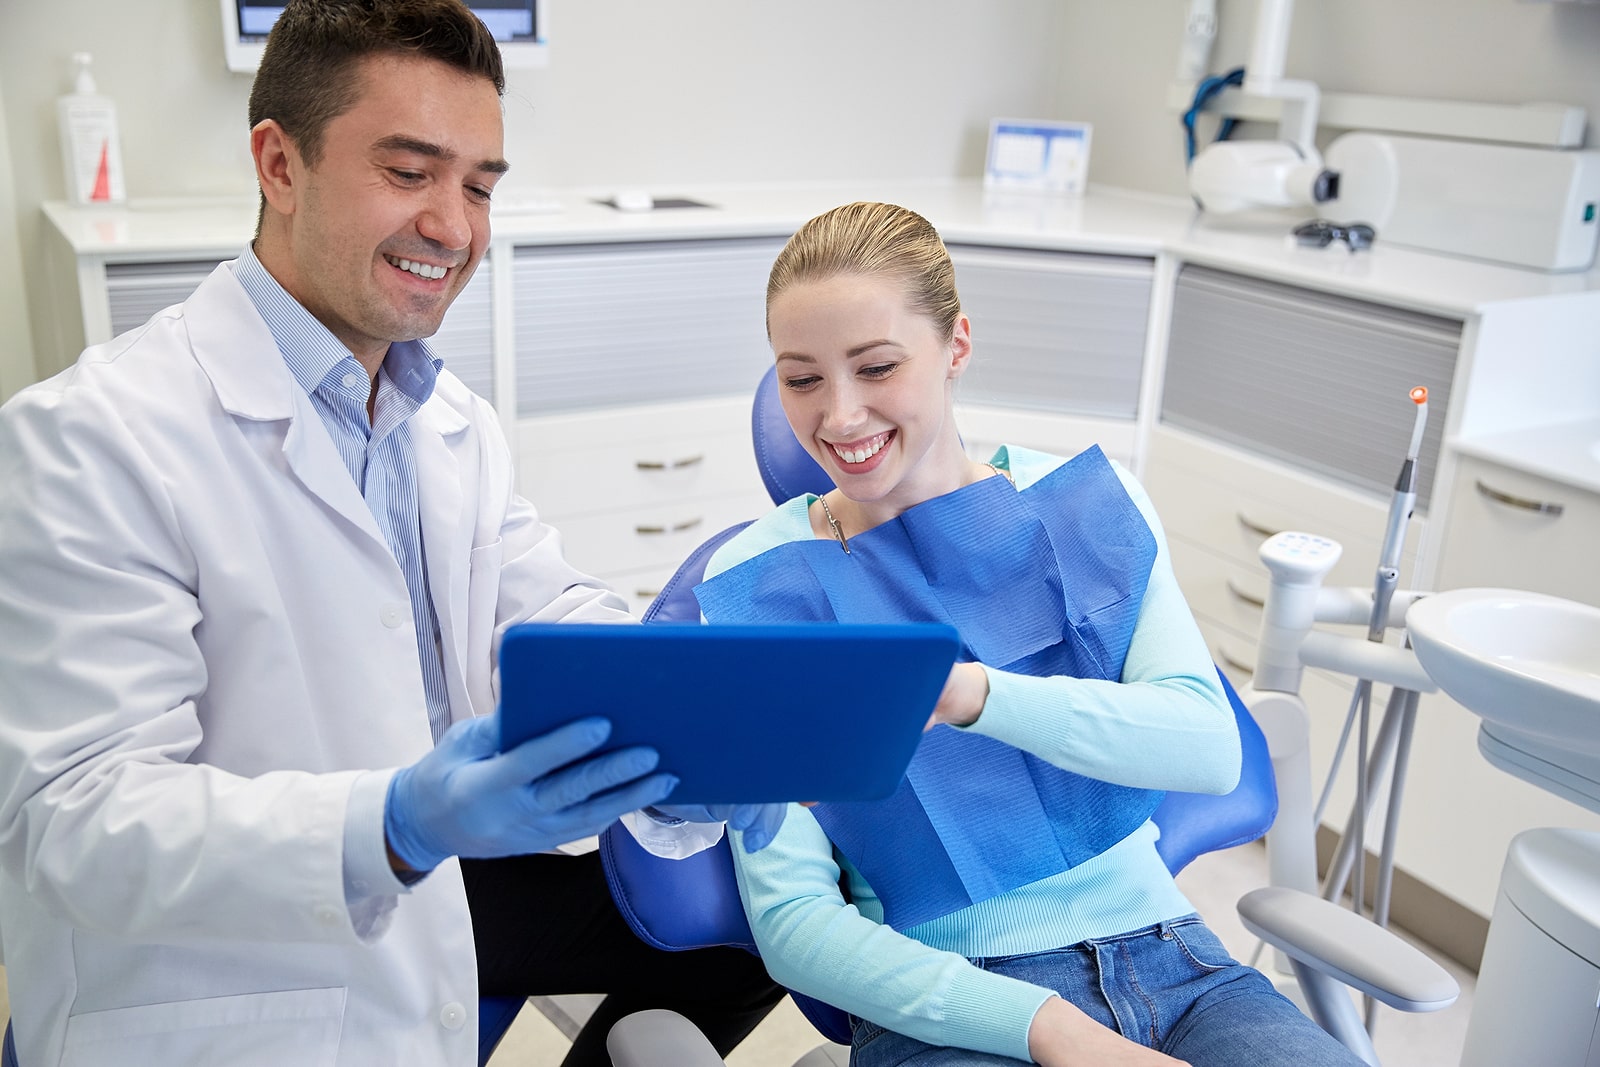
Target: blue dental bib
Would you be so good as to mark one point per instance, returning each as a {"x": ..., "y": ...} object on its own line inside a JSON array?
[{"x": 1044, "y": 581}]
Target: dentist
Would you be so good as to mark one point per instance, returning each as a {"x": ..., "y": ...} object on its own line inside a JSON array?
[{"x": 255, "y": 560}]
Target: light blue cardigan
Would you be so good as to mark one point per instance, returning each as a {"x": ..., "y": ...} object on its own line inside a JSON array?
[{"x": 1166, "y": 725}]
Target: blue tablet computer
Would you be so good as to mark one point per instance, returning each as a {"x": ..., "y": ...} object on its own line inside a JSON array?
[{"x": 741, "y": 714}]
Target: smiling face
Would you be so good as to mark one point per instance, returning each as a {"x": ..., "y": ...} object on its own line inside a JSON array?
[
  {"x": 381, "y": 234},
  {"x": 866, "y": 383}
]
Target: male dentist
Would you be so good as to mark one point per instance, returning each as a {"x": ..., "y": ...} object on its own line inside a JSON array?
[{"x": 255, "y": 560}]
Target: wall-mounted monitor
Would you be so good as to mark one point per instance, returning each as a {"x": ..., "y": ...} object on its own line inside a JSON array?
[{"x": 518, "y": 25}]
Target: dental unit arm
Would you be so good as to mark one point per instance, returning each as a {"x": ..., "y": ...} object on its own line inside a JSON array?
[{"x": 1329, "y": 947}]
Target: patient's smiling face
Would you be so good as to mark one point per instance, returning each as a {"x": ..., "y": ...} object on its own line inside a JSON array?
[{"x": 866, "y": 383}]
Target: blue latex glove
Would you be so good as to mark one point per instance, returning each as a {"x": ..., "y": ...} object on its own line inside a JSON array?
[
  {"x": 465, "y": 798},
  {"x": 758, "y": 822}
]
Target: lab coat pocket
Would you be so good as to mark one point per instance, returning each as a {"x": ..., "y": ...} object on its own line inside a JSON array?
[
  {"x": 483, "y": 598},
  {"x": 252, "y": 1030}
]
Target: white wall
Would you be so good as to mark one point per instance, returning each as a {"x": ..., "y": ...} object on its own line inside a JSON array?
[
  {"x": 641, "y": 92},
  {"x": 1118, "y": 59},
  {"x": 16, "y": 340},
  {"x": 638, "y": 92}
]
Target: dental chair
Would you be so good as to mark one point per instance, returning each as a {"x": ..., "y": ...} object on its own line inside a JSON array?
[{"x": 676, "y": 905}]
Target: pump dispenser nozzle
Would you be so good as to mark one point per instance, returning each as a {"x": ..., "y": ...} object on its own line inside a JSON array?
[{"x": 82, "y": 76}]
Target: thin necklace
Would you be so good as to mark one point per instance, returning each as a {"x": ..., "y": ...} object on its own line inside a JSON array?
[
  {"x": 838, "y": 531},
  {"x": 833, "y": 524}
]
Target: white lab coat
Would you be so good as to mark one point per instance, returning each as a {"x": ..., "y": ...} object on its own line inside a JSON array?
[{"x": 203, "y": 641}]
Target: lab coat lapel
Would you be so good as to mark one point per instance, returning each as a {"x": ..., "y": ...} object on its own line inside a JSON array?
[
  {"x": 438, "y": 433},
  {"x": 238, "y": 354}
]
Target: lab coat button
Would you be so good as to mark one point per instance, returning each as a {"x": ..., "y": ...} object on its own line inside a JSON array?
[
  {"x": 393, "y": 615},
  {"x": 327, "y": 915},
  {"x": 452, "y": 1016}
]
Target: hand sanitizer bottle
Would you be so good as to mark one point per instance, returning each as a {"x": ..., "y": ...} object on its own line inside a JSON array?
[{"x": 91, "y": 152}]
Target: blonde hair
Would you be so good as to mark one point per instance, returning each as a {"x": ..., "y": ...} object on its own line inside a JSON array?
[{"x": 873, "y": 240}]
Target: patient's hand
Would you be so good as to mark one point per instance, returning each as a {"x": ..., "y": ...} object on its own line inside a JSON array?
[
  {"x": 962, "y": 700},
  {"x": 1063, "y": 1036}
]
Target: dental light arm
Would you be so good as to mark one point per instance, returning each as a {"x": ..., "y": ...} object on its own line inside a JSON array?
[{"x": 1401, "y": 506}]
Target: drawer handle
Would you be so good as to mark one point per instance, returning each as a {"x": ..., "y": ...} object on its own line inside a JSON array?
[
  {"x": 677, "y": 527},
  {"x": 1249, "y": 598},
  {"x": 1543, "y": 507},
  {"x": 1256, "y": 527},
  {"x": 1234, "y": 662},
  {"x": 660, "y": 465}
]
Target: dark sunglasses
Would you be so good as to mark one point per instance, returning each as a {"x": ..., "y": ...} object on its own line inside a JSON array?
[{"x": 1320, "y": 233}]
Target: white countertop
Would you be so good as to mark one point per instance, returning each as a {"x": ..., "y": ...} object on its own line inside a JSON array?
[
  {"x": 1106, "y": 221},
  {"x": 1567, "y": 452}
]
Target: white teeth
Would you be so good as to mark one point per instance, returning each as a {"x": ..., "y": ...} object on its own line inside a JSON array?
[
  {"x": 421, "y": 270},
  {"x": 861, "y": 455}
]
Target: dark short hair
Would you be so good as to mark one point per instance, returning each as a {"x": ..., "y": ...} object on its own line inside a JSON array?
[{"x": 310, "y": 70}]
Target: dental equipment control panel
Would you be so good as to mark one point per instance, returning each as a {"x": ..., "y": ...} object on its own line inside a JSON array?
[{"x": 1297, "y": 563}]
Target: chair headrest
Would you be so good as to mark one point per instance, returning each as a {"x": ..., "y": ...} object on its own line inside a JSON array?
[{"x": 786, "y": 467}]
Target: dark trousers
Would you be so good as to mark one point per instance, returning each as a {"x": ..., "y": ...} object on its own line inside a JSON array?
[{"x": 546, "y": 925}]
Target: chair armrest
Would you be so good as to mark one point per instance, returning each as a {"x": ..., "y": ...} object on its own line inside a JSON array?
[
  {"x": 1348, "y": 947},
  {"x": 659, "y": 1038}
]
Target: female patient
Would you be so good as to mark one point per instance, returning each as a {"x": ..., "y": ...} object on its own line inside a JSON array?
[{"x": 1008, "y": 902}]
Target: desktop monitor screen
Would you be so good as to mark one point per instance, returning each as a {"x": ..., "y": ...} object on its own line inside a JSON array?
[{"x": 516, "y": 24}]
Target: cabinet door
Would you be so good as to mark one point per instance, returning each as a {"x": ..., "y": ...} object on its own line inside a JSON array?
[
  {"x": 1513, "y": 530},
  {"x": 606, "y": 325},
  {"x": 1054, "y": 331},
  {"x": 1319, "y": 382}
]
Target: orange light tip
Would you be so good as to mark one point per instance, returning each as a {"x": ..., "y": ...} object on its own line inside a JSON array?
[{"x": 1419, "y": 395}]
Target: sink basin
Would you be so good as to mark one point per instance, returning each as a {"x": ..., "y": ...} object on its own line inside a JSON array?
[{"x": 1526, "y": 661}]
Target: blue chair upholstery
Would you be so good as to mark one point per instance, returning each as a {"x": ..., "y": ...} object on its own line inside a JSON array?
[
  {"x": 787, "y": 469},
  {"x": 1195, "y": 823},
  {"x": 495, "y": 1016}
]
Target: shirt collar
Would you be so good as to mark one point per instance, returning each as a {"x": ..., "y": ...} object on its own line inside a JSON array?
[{"x": 312, "y": 352}]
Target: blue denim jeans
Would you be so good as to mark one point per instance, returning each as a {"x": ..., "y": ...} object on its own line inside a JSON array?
[{"x": 1171, "y": 987}]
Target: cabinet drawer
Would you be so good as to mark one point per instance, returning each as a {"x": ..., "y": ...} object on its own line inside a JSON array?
[
  {"x": 636, "y": 457},
  {"x": 1229, "y": 504},
  {"x": 655, "y": 474},
  {"x": 1220, "y": 589},
  {"x": 1497, "y": 537},
  {"x": 640, "y": 587},
  {"x": 1233, "y": 652},
  {"x": 654, "y": 537}
]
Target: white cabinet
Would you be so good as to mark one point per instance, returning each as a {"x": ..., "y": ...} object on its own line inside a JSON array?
[
  {"x": 1317, "y": 381},
  {"x": 1516, "y": 530},
  {"x": 615, "y": 325},
  {"x": 635, "y": 490},
  {"x": 120, "y": 294},
  {"x": 635, "y": 364},
  {"x": 1059, "y": 343}
]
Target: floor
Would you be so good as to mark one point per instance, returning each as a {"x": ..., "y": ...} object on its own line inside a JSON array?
[{"x": 1212, "y": 882}]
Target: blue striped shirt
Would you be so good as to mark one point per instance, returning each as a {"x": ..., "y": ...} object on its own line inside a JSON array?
[{"x": 379, "y": 455}]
